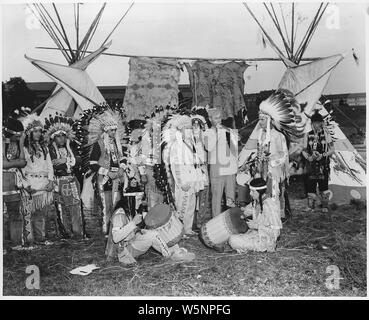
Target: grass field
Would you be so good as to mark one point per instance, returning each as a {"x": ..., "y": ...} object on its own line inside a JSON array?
[{"x": 309, "y": 244}]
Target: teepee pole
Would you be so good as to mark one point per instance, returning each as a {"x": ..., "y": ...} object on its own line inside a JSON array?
[
  {"x": 313, "y": 30},
  {"x": 284, "y": 24},
  {"x": 186, "y": 58},
  {"x": 307, "y": 37},
  {"x": 277, "y": 25},
  {"x": 52, "y": 20},
  {"x": 76, "y": 25},
  {"x": 292, "y": 27},
  {"x": 48, "y": 28},
  {"x": 120, "y": 20},
  {"x": 82, "y": 45},
  {"x": 271, "y": 42},
  {"x": 91, "y": 36},
  {"x": 303, "y": 41},
  {"x": 65, "y": 34}
]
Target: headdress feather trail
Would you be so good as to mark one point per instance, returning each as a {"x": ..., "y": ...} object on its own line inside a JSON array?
[
  {"x": 285, "y": 113},
  {"x": 92, "y": 125}
]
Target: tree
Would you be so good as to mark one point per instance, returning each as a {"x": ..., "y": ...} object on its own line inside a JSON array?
[{"x": 16, "y": 94}]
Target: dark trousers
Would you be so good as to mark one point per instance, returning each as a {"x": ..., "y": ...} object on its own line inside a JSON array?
[
  {"x": 203, "y": 214},
  {"x": 311, "y": 184},
  {"x": 13, "y": 222}
]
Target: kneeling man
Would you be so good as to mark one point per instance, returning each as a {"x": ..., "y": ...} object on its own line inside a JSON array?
[{"x": 127, "y": 241}]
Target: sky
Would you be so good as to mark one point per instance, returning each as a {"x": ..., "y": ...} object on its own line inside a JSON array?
[{"x": 203, "y": 30}]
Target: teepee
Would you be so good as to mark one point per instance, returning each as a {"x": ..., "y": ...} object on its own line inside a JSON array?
[
  {"x": 75, "y": 90},
  {"x": 307, "y": 82}
]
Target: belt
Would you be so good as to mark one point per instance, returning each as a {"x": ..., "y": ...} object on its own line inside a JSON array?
[
  {"x": 64, "y": 177},
  {"x": 35, "y": 175},
  {"x": 8, "y": 193},
  {"x": 9, "y": 170}
]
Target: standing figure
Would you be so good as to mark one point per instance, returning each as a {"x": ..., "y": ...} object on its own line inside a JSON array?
[
  {"x": 150, "y": 159},
  {"x": 38, "y": 182},
  {"x": 179, "y": 155},
  {"x": 222, "y": 146},
  {"x": 278, "y": 125},
  {"x": 60, "y": 134},
  {"x": 318, "y": 148},
  {"x": 13, "y": 160},
  {"x": 106, "y": 160},
  {"x": 199, "y": 125},
  {"x": 265, "y": 223},
  {"x": 100, "y": 135}
]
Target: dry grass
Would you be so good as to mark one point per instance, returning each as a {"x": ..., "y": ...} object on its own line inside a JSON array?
[{"x": 308, "y": 245}]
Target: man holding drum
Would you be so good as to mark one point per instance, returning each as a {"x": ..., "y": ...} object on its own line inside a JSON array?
[
  {"x": 127, "y": 241},
  {"x": 265, "y": 224}
]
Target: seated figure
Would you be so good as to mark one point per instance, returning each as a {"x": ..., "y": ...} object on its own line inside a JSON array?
[
  {"x": 127, "y": 241},
  {"x": 265, "y": 225}
]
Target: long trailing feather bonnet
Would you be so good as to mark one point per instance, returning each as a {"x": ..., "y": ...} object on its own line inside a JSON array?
[
  {"x": 285, "y": 114},
  {"x": 94, "y": 125}
]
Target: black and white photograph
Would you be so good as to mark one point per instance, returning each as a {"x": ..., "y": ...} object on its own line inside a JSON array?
[{"x": 173, "y": 150}]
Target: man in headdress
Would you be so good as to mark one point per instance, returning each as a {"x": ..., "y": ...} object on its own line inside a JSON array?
[
  {"x": 13, "y": 160},
  {"x": 38, "y": 182},
  {"x": 277, "y": 120},
  {"x": 151, "y": 157},
  {"x": 199, "y": 125},
  {"x": 179, "y": 153},
  {"x": 60, "y": 134},
  {"x": 318, "y": 148},
  {"x": 107, "y": 161},
  {"x": 134, "y": 185}
]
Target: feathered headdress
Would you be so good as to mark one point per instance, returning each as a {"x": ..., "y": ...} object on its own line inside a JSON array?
[
  {"x": 94, "y": 125},
  {"x": 201, "y": 115},
  {"x": 285, "y": 113},
  {"x": 171, "y": 132},
  {"x": 135, "y": 130},
  {"x": 31, "y": 122},
  {"x": 59, "y": 124},
  {"x": 12, "y": 124},
  {"x": 329, "y": 125}
]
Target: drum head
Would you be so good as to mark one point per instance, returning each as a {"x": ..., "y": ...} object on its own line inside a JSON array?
[
  {"x": 157, "y": 216},
  {"x": 238, "y": 221},
  {"x": 243, "y": 178}
]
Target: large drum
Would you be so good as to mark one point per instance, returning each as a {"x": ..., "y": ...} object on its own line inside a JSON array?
[
  {"x": 162, "y": 219},
  {"x": 220, "y": 228}
]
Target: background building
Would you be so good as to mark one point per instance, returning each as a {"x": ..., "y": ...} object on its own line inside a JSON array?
[{"x": 349, "y": 108}]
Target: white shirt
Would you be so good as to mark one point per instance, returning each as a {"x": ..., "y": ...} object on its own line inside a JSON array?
[{"x": 222, "y": 158}]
